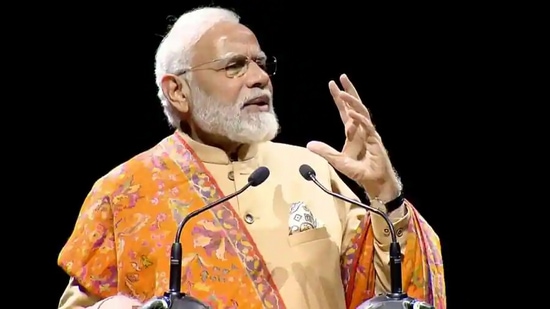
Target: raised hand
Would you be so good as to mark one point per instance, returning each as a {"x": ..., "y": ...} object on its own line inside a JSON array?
[{"x": 363, "y": 158}]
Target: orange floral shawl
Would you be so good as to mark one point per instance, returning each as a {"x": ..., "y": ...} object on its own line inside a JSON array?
[{"x": 122, "y": 238}]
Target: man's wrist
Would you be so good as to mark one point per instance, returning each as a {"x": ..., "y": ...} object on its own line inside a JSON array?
[
  {"x": 387, "y": 191},
  {"x": 388, "y": 194},
  {"x": 392, "y": 204}
]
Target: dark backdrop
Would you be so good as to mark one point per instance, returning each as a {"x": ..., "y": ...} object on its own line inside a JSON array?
[{"x": 408, "y": 64}]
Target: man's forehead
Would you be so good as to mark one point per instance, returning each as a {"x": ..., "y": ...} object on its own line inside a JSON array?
[
  {"x": 226, "y": 39},
  {"x": 232, "y": 51}
]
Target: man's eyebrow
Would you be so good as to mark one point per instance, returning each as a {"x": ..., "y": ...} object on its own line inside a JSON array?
[
  {"x": 258, "y": 55},
  {"x": 261, "y": 55},
  {"x": 228, "y": 55}
]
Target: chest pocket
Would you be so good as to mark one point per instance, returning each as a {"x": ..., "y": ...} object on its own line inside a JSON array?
[{"x": 313, "y": 235}]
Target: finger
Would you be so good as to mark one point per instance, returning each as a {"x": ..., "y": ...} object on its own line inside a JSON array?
[
  {"x": 325, "y": 151},
  {"x": 339, "y": 161},
  {"x": 352, "y": 148},
  {"x": 341, "y": 105},
  {"x": 351, "y": 128},
  {"x": 364, "y": 122},
  {"x": 348, "y": 86},
  {"x": 354, "y": 103}
]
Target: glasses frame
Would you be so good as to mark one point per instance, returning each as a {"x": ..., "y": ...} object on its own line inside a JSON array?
[{"x": 225, "y": 67}]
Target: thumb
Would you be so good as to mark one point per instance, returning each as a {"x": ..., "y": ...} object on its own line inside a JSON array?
[{"x": 325, "y": 151}]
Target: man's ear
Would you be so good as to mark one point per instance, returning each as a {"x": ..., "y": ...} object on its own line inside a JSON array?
[{"x": 177, "y": 91}]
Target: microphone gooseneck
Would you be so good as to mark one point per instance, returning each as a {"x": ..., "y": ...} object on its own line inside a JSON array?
[
  {"x": 396, "y": 293},
  {"x": 176, "y": 253}
]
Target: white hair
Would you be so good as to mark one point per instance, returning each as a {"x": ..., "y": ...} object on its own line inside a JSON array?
[{"x": 176, "y": 49}]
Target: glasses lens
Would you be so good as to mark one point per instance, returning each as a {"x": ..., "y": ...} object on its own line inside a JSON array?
[
  {"x": 271, "y": 66},
  {"x": 236, "y": 66}
]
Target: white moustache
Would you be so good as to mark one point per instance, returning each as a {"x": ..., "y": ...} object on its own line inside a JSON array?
[{"x": 259, "y": 94}]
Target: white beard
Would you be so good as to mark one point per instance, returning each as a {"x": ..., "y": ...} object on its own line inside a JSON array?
[{"x": 229, "y": 120}]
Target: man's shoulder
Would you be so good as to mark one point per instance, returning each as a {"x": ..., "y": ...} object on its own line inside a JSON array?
[{"x": 140, "y": 164}]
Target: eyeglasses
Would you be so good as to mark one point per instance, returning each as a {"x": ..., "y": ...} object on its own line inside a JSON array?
[{"x": 237, "y": 65}]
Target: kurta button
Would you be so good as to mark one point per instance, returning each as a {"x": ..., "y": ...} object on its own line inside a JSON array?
[
  {"x": 249, "y": 219},
  {"x": 231, "y": 176},
  {"x": 386, "y": 232}
]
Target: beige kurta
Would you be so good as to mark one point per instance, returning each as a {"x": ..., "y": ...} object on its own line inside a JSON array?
[{"x": 305, "y": 266}]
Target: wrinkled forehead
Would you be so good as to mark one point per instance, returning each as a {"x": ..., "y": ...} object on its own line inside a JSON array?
[{"x": 227, "y": 39}]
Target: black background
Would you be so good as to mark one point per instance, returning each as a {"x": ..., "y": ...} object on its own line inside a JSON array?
[{"x": 413, "y": 67}]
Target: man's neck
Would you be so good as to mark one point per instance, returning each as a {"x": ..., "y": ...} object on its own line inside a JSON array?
[{"x": 231, "y": 148}]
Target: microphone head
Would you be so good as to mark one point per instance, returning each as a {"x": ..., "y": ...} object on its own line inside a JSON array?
[
  {"x": 258, "y": 176},
  {"x": 307, "y": 172}
]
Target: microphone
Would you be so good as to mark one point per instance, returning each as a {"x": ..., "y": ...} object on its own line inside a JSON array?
[
  {"x": 174, "y": 298},
  {"x": 396, "y": 298}
]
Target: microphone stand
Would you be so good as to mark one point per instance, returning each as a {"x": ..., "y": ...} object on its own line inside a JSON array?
[
  {"x": 396, "y": 298},
  {"x": 174, "y": 298}
]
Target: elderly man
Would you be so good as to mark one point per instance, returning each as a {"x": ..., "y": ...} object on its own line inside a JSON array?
[{"x": 214, "y": 84}]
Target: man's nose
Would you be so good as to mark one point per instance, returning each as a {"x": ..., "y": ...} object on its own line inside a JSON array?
[{"x": 256, "y": 76}]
